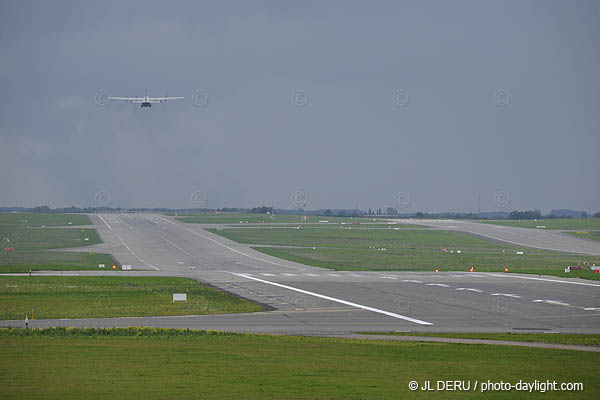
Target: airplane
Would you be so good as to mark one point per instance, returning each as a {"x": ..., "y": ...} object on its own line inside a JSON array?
[{"x": 145, "y": 101}]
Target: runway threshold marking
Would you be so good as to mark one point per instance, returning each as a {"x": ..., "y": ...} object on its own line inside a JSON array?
[
  {"x": 127, "y": 247},
  {"x": 227, "y": 247},
  {"x": 348, "y": 303}
]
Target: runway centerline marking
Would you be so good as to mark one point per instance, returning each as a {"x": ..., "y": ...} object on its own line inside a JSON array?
[
  {"x": 470, "y": 289},
  {"x": 516, "y": 296},
  {"x": 127, "y": 247},
  {"x": 348, "y": 303}
]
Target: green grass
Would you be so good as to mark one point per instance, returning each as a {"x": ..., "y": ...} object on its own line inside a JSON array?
[
  {"x": 555, "y": 338},
  {"x": 407, "y": 250},
  {"x": 39, "y": 219},
  {"x": 235, "y": 218},
  {"x": 29, "y": 239},
  {"x": 23, "y": 261},
  {"x": 91, "y": 297},
  {"x": 591, "y": 235},
  {"x": 142, "y": 363},
  {"x": 555, "y": 223}
]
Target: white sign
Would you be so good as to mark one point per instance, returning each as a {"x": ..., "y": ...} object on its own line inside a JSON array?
[
  {"x": 179, "y": 296},
  {"x": 519, "y": 252},
  {"x": 126, "y": 267},
  {"x": 100, "y": 265}
]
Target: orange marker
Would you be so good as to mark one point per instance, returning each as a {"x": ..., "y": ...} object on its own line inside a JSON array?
[
  {"x": 505, "y": 269},
  {"x": 437, "y": 270},
  {"x": 114, "y": 267}
]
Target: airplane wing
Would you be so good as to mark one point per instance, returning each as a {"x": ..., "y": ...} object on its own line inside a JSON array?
[
  {"x": 126, "y": 98},
  {"x": 164, "y": 98}
]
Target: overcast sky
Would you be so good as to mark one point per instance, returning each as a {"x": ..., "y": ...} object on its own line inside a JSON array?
[{"x": 419, "y": 105}]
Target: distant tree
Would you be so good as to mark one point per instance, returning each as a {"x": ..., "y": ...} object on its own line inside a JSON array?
[
  {"x": 419, "y": 215},
  {"x": 261, "y": 210},
  {"x": 391, "y": 211},
  {"x": 40, "y": 209},
  {"x": 531, "y": 214},
  {"x": 379, "y": 212},
  {"x": 370, "y": 212},
  {"x": 328, "y": 212},
  {"x": 597, "y": 215}
]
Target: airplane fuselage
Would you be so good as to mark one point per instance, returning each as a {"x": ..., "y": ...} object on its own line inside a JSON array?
[{"x": 146, "y": 104}]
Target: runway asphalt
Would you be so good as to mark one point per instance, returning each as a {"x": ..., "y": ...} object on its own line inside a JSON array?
[{"x": 316, "y": 301}]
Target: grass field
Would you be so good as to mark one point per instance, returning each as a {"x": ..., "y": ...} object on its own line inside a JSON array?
[
  {"x": 555, "y": 338},
  {"x": 90, "y": 297},
  {"x": 554, "y": 223},
  {"x": 235, "y": 218},
  {"x": 143, "y": 363},
  {"x": 407, "y": 250},
  {"x": 39, "y": 219},
  {"x": 591, "y": 235},
  {"x": 24, "y": 233}
]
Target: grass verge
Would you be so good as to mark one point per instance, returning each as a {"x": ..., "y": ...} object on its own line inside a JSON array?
[
  {"x": 150, "y": 363},
  {"x": 108, "y": 296},
  {"x": 591, "y": 235},
  {"x": 405, "y": 250},
  {"x": 24, "y": 239},
  {"x": 46, "y": 219},
  {"x": 555, "y": 338}
]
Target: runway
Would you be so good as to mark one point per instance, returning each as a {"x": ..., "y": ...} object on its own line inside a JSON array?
[{"x": 316, "y": 301}]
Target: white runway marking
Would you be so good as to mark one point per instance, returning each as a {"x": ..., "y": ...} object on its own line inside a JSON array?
[
  {"x": 411, "y": 280},
  {"x": 348, "y": 303},
  {"x": 470, "y": 289},
  {"x": 555, "y": 302},
  {"x": 127, "y": 247},
  {"x": 287, "y": 274},
  {"x": 591, "y": 309},
  {"x": 267, "y": 274},
  {"x": 437, "y": 284},
  {"x": 310, "y": 274},
  {"x": 516, "y": 296},
  {"x": 336, "y": 275}
]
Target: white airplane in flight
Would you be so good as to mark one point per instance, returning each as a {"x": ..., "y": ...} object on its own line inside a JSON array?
[{"x": 145, "y": 101}]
